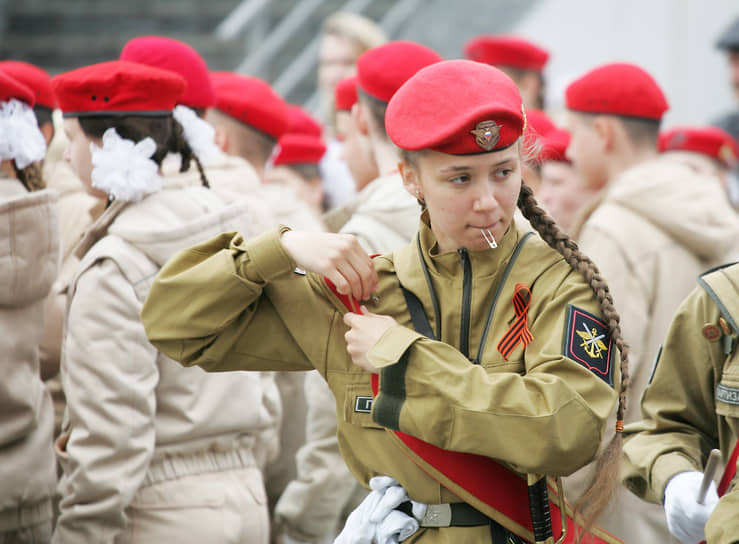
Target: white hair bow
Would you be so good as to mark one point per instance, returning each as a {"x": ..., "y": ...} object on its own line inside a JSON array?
[
  {"x": 200, "y": 135},
  {"x": 123, "y": 169},
  {"x": 20, "y": 138}
]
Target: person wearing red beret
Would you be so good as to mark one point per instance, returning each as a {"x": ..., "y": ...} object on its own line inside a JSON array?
[
  {"x": 523, "y": 60},
  {"x": 562, "y": 192},
  {"x": 475, "y": 324},
  {"x": 657, "y": 225},
  {"x": 148, "y": 453},
  {"x": 707, "y": 150},
  {"x": 29, "y": 242},
  {"x": 295, "y": 166},
  {"x": 39, "y": 81}
]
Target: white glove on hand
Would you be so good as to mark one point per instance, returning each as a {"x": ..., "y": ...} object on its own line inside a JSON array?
[
  {"x": 686, "y": 519},
  {"x": 376, "y": 518}
]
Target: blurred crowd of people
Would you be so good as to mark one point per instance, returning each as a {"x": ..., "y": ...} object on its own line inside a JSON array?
[{"x": 110, "y": 170}]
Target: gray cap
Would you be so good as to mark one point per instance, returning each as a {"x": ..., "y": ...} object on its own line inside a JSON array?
[{"x": 729, "y": 39}]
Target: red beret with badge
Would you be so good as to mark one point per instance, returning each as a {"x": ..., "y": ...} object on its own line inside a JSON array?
[
  {"x": 617, "y": 88},
  {"x": 32, "y": 77},
  {"x": 252, "y": 101},
  {"x": 382, "y": 70},
  {"x": 457, "y": 107},
  {"x": 509, "y": 51},
  {"x": 345, "y": 94},
  {"x": 117, "y": 88},
  {"x": 710, "y": 141},
  {"x": 296, "y": 148},
  {"x": 11, "y": 88},
  {"x": 178, "y": 57}
]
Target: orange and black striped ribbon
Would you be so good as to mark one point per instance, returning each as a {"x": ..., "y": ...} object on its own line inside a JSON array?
[{"x": 518, "y": 332}]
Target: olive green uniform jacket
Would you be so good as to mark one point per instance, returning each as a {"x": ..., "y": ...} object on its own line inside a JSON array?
[
  {"x": 692, "y": 403},
  {"x": 536, "y": 412}
]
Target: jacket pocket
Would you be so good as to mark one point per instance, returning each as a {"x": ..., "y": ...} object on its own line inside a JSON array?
[{"x": 358, "y": 403}]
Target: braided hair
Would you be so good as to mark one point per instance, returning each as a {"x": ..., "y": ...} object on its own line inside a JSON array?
[
  {"x": 592, "y": 503},
  {"x": 31, "y": 177}
]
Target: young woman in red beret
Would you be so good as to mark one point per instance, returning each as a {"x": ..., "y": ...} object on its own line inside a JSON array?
[
  {"x": 29, "y": 261},
  {"x": 473, "y": 356},
  {"x": 149, "y": 453}
]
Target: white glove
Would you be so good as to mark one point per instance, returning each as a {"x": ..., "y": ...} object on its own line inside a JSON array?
[
  {"x": 358, "y": 528},
  {"x": 396, "y": 527},
  {"x": 686, "y": 519}
]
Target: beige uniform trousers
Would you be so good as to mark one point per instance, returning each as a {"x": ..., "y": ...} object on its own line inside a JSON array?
[{"x": 209, "y": 497}]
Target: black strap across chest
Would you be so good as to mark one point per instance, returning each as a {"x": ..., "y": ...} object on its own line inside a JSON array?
[{"x": 418, "y": 315}]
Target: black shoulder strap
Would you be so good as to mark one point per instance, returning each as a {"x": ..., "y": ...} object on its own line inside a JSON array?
[{"x": 418, "y": 315}]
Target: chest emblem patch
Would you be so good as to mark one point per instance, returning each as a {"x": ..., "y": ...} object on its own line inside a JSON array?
[
  {"x": 588, "y": 342},
  {"x": 363, "y": 405}
]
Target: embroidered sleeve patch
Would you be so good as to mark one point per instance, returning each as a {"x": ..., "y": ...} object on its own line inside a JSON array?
[{"x": 588, "y": 342}]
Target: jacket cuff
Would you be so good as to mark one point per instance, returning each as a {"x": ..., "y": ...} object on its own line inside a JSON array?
[
  {"x": 665, "y": 467},
  {"x": 263, "y": 258},
  {"x": 391, "y": 346}
]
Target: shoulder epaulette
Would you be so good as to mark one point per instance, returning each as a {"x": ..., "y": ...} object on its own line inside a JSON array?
[{"x": 724, "y": 292}]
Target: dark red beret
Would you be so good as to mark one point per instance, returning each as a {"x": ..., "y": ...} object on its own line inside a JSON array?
[
  {"x": 299, "y": 149},
  {"x": 712, "y": 141},
  {"x": 507, "y": 51},
  {"x": 382, "y": 70},
  {"x": 32, "y": 77},
  {"x": 179, "y": 57},
  {"x": 302, "y": 122},
  {"x": 554, "y": 145},
  {"x": 117, "y": 88},
  {"x": 345, "y": 93},
  {"x": 457, "y": 107},
  {"x": 12, "y": 88},
  {"x": 617, "y": 89},
  {"x": 252, "y": 101}
]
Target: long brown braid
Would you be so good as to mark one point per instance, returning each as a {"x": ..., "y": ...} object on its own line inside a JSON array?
[
  {"x": 181, "y": 146},
  {"x": 31, "y": 177},
  {"x": 606, "y": 479}
]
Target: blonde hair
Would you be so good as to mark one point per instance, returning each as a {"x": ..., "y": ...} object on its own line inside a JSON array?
[{"x": 362, "y": 31}]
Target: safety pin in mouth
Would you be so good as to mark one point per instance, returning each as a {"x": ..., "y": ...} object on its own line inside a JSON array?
[{"x": 489, "y": 238}]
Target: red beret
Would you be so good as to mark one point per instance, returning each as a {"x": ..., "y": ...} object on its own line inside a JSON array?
[
  {"x": 299, "y": 149},
  {"x": 302, "y": 122},
  {"x": 554, "y": 145},
  {"x": 712, "y": 141},
  {"x": 345, "y": 93},
  {"x": 538, "y": 125},
  {"x": 32, "y": 77},
  {"x": 251, "y": 101},
  {"x": 507, "y": 51},
  {"x": 457, "y": 107},
  {"x": 178, "y": 57},
  {"x": 617, "y": 89},
  {"x": 11, "y": 88},
  {"x": 382, "y": 70},
  {"x": 117, "y": 88}
]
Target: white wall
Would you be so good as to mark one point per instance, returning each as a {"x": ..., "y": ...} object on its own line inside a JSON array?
[{"x": 672, "y": 39}]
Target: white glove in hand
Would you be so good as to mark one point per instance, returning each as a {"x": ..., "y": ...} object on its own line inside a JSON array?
[
  {"x": 396, "y": 527},
  {"x": 358, "y": 528},
  {"x": 686, "y": 519}
]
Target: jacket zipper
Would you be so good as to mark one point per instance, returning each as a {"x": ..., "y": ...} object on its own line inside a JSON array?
[{"x": 464, "y": 332}]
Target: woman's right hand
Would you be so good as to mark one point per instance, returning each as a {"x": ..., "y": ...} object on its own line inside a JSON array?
[{"x": 339, "y": 257}]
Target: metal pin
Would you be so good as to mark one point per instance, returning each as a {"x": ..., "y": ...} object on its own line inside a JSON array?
[{"x": 489, "y": 238}]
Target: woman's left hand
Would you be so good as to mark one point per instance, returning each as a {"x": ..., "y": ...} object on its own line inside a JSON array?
[{"x": 365, "y": 330}]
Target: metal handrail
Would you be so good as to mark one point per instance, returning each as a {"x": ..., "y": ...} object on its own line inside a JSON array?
[
  {"x": 278, "y": 37},
  {"x": 239, "y": 18},
  {"x": 307, "y": 60}
]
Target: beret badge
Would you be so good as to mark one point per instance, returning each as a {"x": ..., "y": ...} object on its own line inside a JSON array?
[{"x": 487, "y": 134}]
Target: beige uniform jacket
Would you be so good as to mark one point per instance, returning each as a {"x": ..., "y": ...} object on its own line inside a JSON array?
[
  {"x": 656, "y": 228},
  {"x": 29, "y": 261},
  {"x": 692, "y": 403},
  {"x": 257, "y": 313},
  {"x": 131, "y": 411}
]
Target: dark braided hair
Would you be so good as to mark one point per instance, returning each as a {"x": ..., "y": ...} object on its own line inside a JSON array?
[
  {"x": 166, "y": 132},
  {"x": 605, "y": 481},
  {"x": 31, "y": 177}
]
